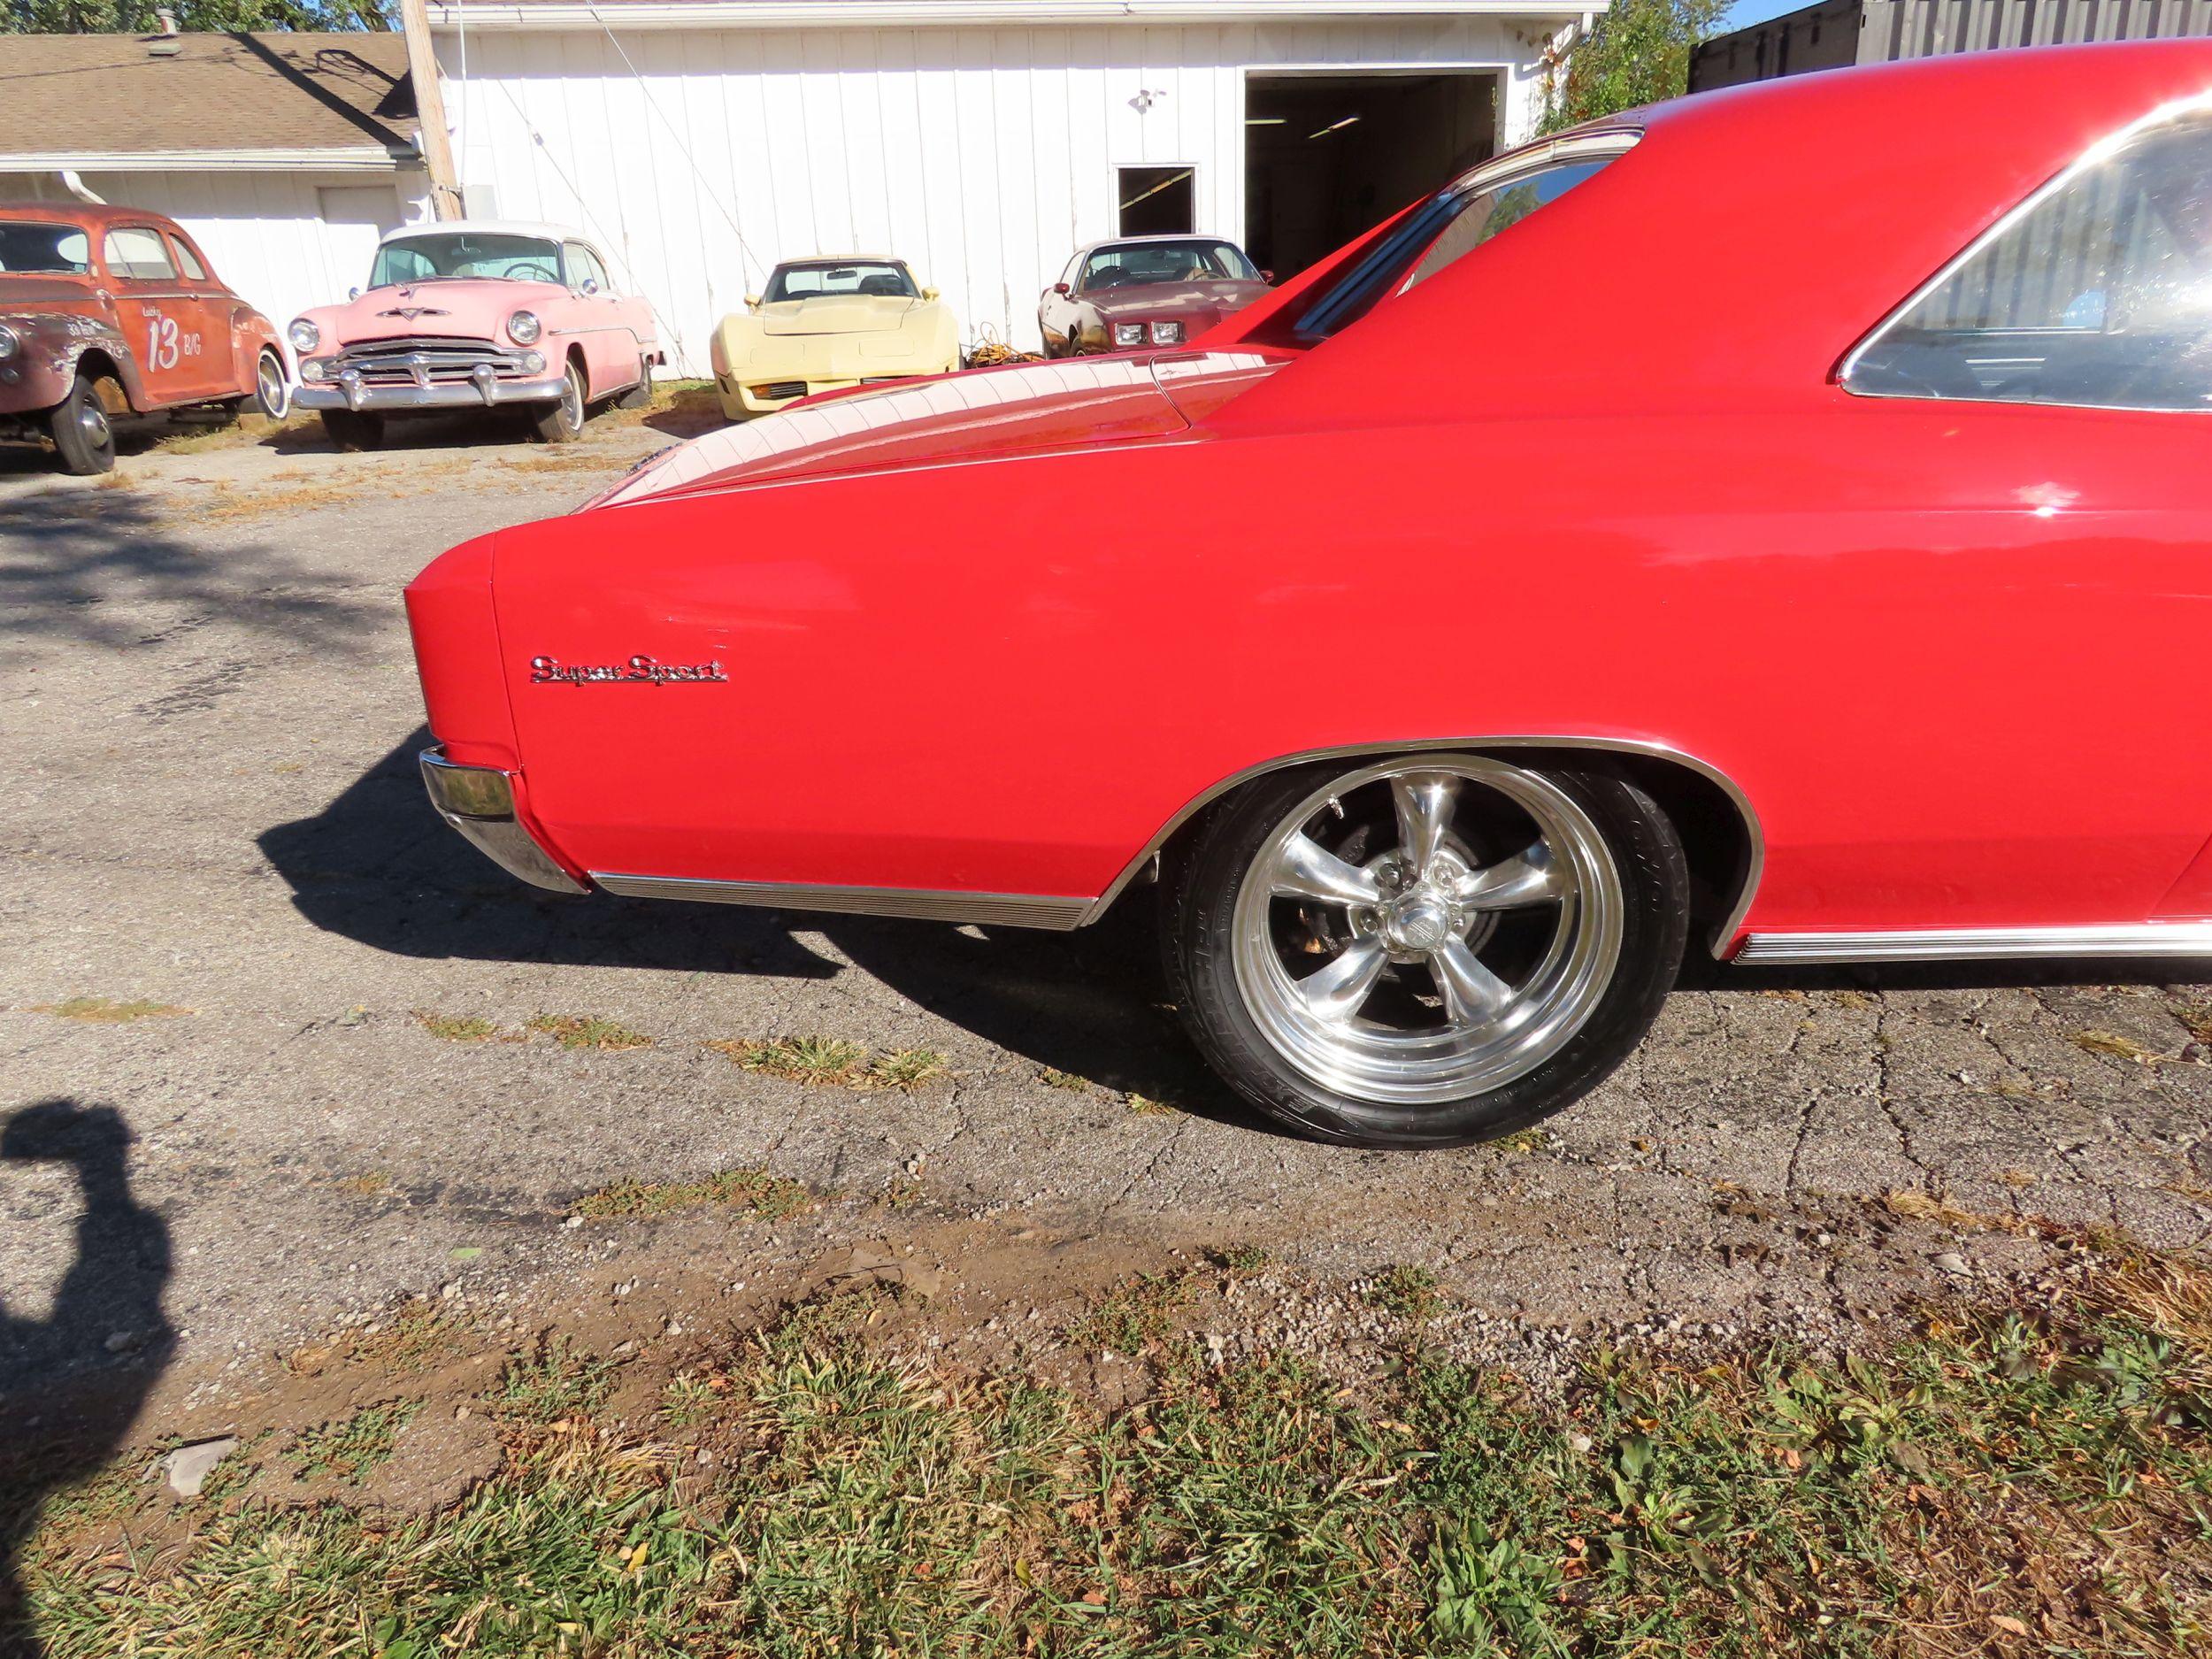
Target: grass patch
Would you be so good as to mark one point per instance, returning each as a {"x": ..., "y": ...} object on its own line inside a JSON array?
[
  {"x": 1140, "y": 1315},
  {"x": 351, "y": 1450},
  {"x": 1145, "y": 1106},
  {"x": 456, "y": 1027},
  {"x": 1530, "y": 1140},
  {"x": 229, "y": 504},
  {"x": 907, "y": 1069},
  {"x": 1053, "y": 1078},
  {"x": 769, "y": 1196},
  {"x": 587, "y": 1031},
  {"x": 2009, "y": 1485},
  {"x": 106, "y": 1010},
  {"x": 798, "y": 1059},
  {"x": 558, "y": 1382},
  {"x": 1410, "y": 1292},
  {"x": 2118, "y": 1047}
]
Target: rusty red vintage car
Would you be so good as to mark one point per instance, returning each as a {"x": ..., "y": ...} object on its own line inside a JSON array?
[
  {"x": 1776, "y": 519},
  {"x": 107, "y": 314}
]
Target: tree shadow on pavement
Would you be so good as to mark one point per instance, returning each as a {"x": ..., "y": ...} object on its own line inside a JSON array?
[
  {"x": 82, "y": 564},
  {"x": 378, "y": 865},
  {"x": 81, "y": 1374}
]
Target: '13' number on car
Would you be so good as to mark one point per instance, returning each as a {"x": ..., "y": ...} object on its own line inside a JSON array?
[{"x": 164, "y": 344}]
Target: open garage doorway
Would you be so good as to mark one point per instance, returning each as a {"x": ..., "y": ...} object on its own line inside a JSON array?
[{"x": 1329, "y": 154}]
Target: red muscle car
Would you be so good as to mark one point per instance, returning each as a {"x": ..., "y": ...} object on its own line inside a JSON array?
[
  {"x": 109, "y": 312},
  {"x": 1776, "y": 517},
  {"x": 1145, "y": 291}
]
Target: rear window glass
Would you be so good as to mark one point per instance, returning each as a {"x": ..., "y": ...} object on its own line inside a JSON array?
[
  {"x": 33, "y": 248},
  {"x": 1446, "y": 229},
  {"x": 2098, "y": 294}
]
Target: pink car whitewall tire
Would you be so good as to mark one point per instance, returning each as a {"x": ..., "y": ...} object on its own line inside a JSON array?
[{"x": 1428, "y": 949}]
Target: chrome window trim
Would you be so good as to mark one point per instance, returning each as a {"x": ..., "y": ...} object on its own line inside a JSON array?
[
  {"x": 1982, "y": 944},
  {"x": 2094, "y": 156},
  {"x": 1755, "y": 837}
]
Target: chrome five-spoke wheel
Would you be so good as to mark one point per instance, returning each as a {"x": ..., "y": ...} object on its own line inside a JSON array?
[{"x": 1427, "y": 948}]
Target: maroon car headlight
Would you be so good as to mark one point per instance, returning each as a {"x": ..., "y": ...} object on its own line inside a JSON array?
[
  {"x": 1128, "y": 333},
  {"x": 1170, "y": 334}
]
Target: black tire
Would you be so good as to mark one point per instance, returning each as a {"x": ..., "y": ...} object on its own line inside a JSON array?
[
  {"x": 1200, "y": 890},
  {"x": 354, "y": 429},
  {"x": 641, "y": 393},
  {"x": 562, "y": 421},
  {"x": 82, "y": 435}
]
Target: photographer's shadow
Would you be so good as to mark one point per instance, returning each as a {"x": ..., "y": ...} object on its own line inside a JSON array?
[
  {"x": 379, "y": 866},
  {"x": 84, "y": 1369}
]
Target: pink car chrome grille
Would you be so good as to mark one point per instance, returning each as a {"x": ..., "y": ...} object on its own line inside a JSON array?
[{"x": 426, "y": 361}]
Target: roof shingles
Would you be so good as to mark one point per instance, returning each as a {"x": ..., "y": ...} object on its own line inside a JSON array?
[{"x": 107, "y": 94}]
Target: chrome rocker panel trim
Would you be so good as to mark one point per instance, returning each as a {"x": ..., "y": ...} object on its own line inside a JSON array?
[
  {"x": 1008, "y": 910},
  {"x": 1983, "y": 944},
  {"x": 481, "y": 392},
  {"x": 497, "y": 834}
]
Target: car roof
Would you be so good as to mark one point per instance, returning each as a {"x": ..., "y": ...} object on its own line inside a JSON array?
[
  {"x": 91, "y": 215},
  {"x": 1743, "y": 244},
  {"x": 841, "y": 258},
  {"x": 1138, "y": 241},
  {"x": 488, "y": 228}
]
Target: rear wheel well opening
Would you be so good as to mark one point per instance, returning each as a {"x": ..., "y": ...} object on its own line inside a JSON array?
[
  {"x": 1717, "y": 837},
  {"x": 98, "y": 367}
]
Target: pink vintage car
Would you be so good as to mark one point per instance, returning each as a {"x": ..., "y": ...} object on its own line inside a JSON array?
[{"x": 476, "y": 313}]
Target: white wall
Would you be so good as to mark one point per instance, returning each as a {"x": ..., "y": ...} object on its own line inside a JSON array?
[
  {"x": 265, "y": 232},
  {"x": 984, "y": 156}
]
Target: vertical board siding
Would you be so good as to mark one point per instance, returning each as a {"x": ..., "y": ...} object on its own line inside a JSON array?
[{"x": 983, "y": 156}]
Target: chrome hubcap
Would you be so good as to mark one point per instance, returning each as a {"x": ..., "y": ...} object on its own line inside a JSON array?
[
  {"x": 1417, "y": 932},
  {"x": 271, "y": 380},
  {"x": 92, "y": 421},
  {"x": 572, "y": 403}
]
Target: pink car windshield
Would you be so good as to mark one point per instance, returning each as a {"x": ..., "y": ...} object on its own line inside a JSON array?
[{"x": 463, "y": 253}]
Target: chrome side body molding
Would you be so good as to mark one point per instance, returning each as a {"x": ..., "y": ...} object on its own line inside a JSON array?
[
  {"x": 1006, "y": 910},
  {"x": 1980, "y": 944}
]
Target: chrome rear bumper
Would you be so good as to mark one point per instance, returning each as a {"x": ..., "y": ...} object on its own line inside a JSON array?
[{"x": 480, "y": 803}]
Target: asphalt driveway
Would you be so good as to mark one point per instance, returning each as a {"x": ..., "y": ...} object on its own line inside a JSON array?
[{"x": 288, "y": 1019}]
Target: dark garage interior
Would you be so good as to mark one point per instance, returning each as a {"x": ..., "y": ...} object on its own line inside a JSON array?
[{"x": 1329, "y": 156}]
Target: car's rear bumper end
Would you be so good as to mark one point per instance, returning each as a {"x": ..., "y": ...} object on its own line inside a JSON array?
[
  {"x": 480, "y": 801},
  {"x": 482, "y": 390}
]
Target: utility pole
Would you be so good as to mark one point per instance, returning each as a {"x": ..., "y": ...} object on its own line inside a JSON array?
[{"x": 437, "y": 143}]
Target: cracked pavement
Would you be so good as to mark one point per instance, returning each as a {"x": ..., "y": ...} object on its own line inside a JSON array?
[{"x": 208, "y": 717}]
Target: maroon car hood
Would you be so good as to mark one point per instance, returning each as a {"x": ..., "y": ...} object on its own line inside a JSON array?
[{"x": 986, "y": 414}]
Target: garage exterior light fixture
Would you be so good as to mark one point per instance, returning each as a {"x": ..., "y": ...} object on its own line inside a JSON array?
[{"x": 1334, "y": 127}]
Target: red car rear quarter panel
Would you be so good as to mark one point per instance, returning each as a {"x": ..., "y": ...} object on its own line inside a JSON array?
[{"x": 1907, "y": 650}]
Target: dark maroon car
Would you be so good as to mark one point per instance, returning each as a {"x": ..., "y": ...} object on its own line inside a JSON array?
[{"x": 1146, "y": 291}]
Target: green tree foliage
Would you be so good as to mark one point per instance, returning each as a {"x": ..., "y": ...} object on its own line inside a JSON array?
[
  {"x": 136, "y": 17},
  {"x": 1638, "y": 53}
]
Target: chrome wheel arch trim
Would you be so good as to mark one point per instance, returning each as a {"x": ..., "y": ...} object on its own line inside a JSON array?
[{"x": 1755, "y": 836}]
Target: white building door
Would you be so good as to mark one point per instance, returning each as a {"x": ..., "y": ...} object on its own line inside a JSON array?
[{"x": 355, "y": 216}]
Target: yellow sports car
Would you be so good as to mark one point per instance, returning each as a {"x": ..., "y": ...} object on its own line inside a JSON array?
[{"x": 827, "y": 324}]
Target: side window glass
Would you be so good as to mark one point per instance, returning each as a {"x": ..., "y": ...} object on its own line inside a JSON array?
[
  {"x": 598, "y": 272},
  {"x": 1486, "y": 215},
  {"x": 188, "y": 260},
  {"x": 136, "y": 252},
  {"x": 2098, "y": 294}
]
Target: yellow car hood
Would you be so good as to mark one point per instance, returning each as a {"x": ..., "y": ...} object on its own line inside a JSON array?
[{"x": 837, "y": 314}]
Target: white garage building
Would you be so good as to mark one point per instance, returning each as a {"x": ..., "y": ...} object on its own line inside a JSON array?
[{"x": 702, "y": 141}]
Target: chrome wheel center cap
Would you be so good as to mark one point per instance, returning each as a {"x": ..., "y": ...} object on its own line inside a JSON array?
[{"x": 1420, "y": 921}]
